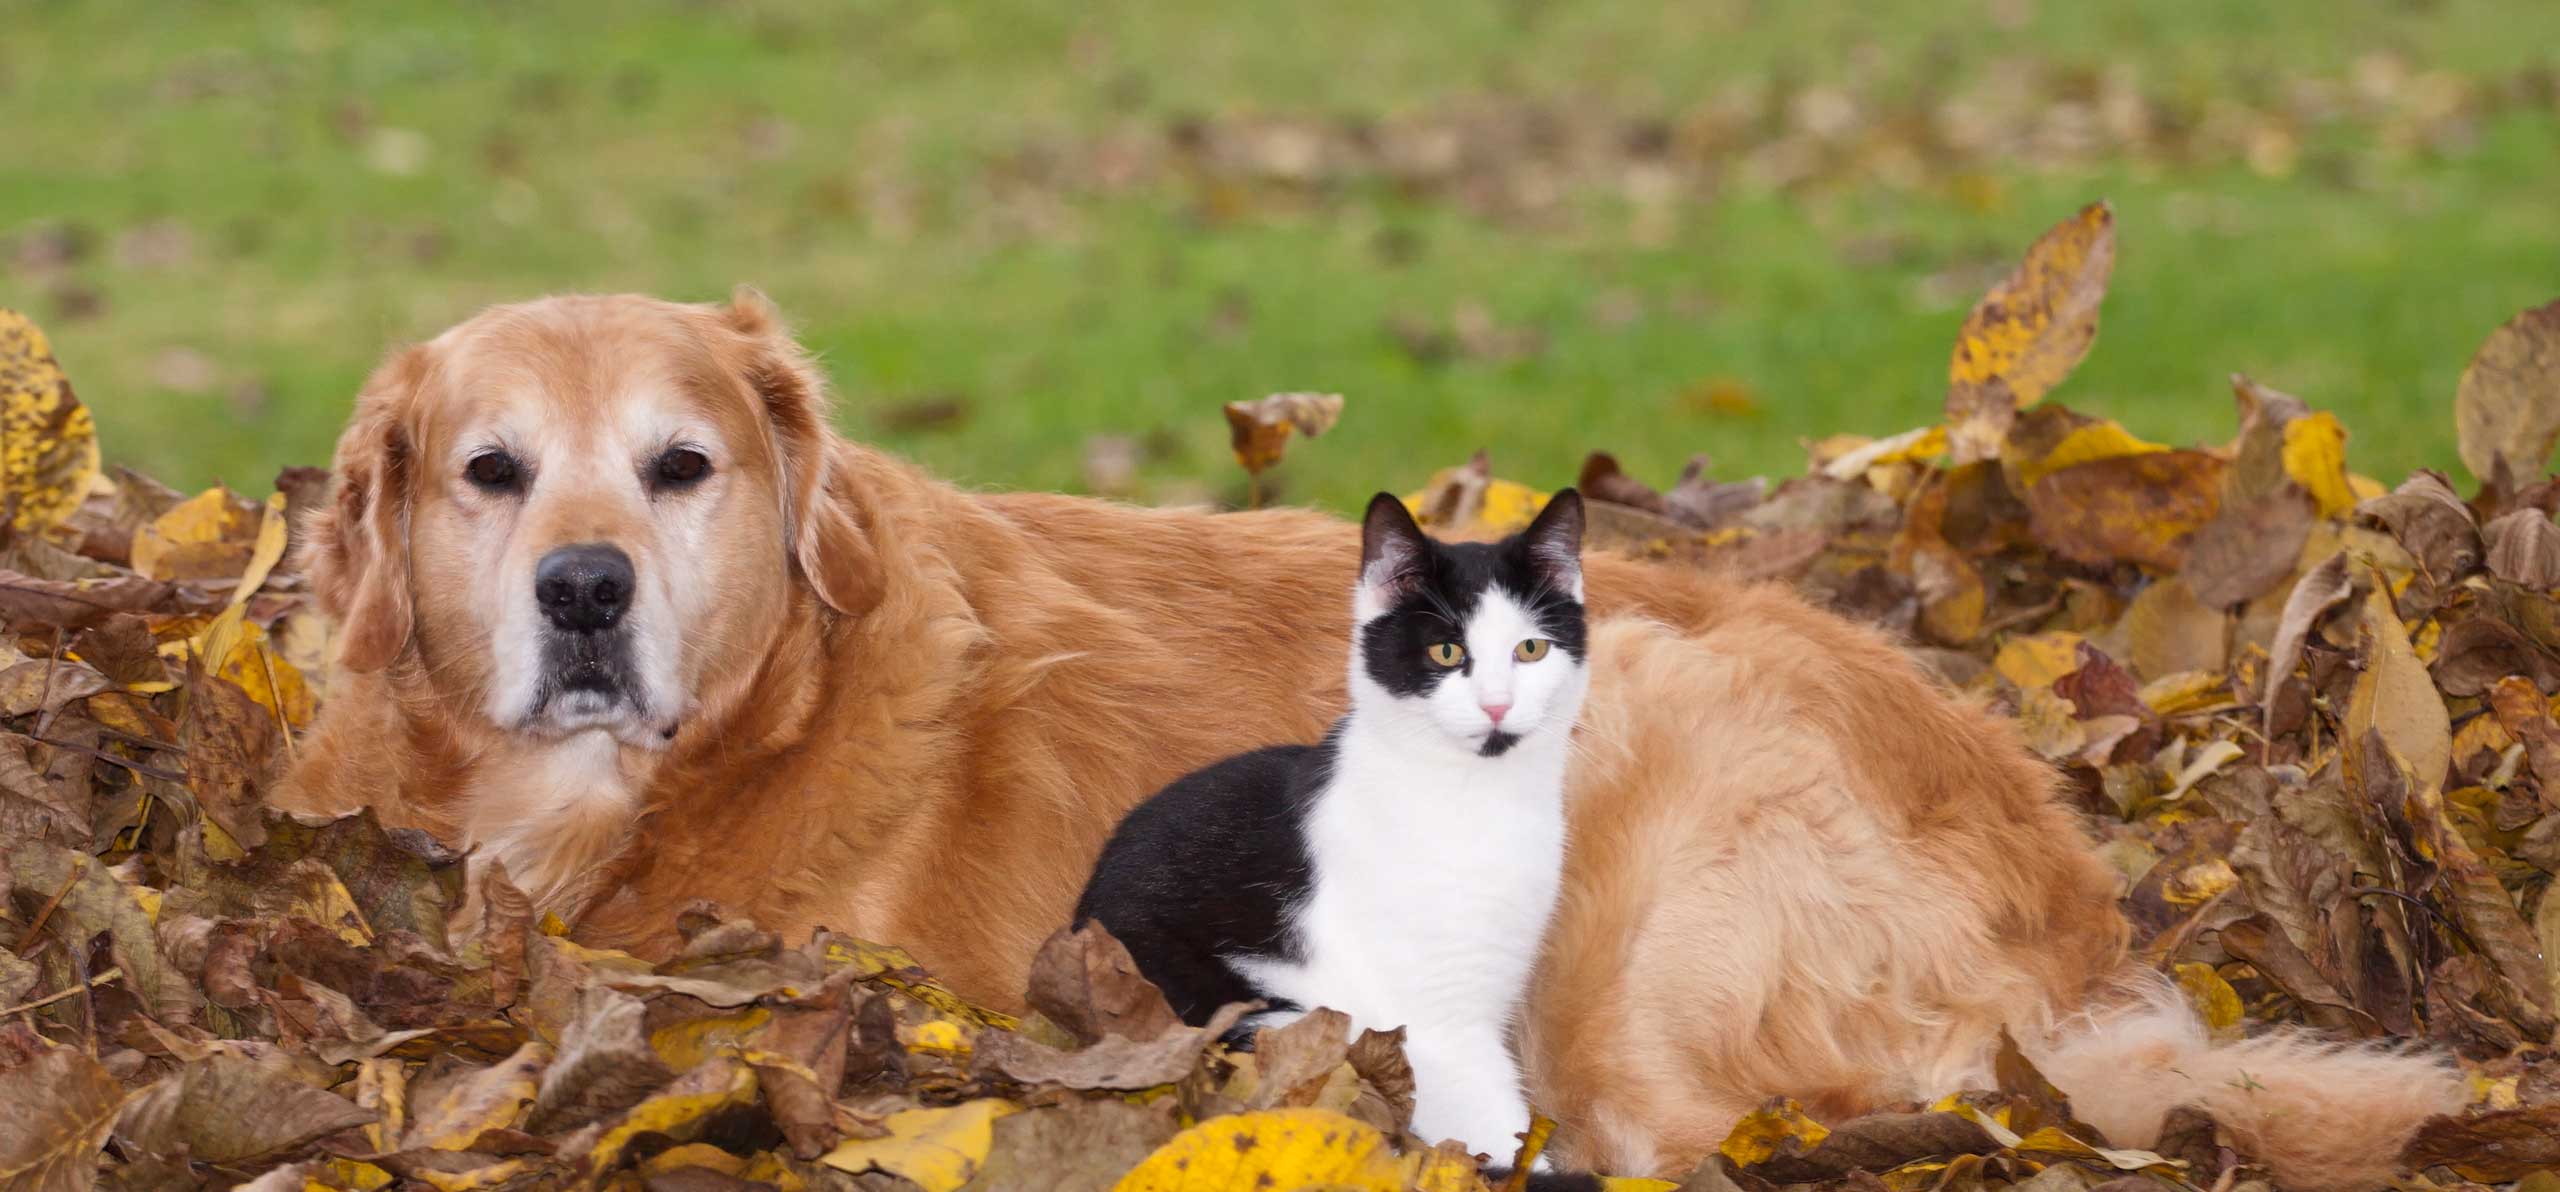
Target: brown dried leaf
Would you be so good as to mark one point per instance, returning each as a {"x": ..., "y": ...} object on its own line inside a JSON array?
[
  {"x": 35, "y": 808},
  {"x": 1293, "y": 1063},
  {"x": 1084, "y": 980},
  {"x": 400, "y": 879},
  {"x": 1259, "y": 429},
  {"x": 2484, "y": 908},
  {"x": 2257, "y": 940},
  {"x": 234, "y": 752},
  {"x": 2431, "y": 523},
  {"x": 605, "y": 1064},
  {"x": 229, "y": 1109},
  {"x": 55, "y": 1113},
  {"x": 1603, "y": 480},
  {"x": 2479, "y": 650},
  {"x": 80, "y": 604},
  {"x": 46, "y": 685},
  {"x": 2143, "y": 508},
  {"x": 2507, "y": 412},
  {"x": 1074, "y": 1146},
  {"x": 1878, "y": 1142},
  {"x": 2396, "y": 698},
  {"x": 2520, "y": 708},
  {"x": 2492, "y": 1147},
  {"x": 1386, "y": 1080},
  {"x": 2524, "y": 548},
  {"x": 2029, "y": 332},
  {"x": 2249, "y": 547},
  {"x": 452, "y": 1117},
  {"x": 1112, "y": 1062},
  {"x": 95, "y": 903}
]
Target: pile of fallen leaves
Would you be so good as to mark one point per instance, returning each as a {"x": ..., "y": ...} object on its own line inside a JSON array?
[{"x": 2311, "y": 718}]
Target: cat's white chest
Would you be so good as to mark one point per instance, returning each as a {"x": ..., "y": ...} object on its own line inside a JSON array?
[{"x": 1432, "y": 890}]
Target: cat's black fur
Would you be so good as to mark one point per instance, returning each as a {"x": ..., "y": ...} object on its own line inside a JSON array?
[{"x": 1207, "y": 868}]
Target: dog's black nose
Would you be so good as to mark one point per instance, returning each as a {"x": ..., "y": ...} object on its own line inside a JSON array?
[{"x": 583, "y": 588}]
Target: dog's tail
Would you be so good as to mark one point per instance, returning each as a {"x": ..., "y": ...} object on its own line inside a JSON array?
[{"x": 2324, "y": 1116}]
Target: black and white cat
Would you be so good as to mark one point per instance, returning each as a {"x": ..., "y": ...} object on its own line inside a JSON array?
[{"x": 1403, "y": 870}]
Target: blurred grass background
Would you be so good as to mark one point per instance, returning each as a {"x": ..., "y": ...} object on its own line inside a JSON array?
[{"x": 1038, "y": 243}]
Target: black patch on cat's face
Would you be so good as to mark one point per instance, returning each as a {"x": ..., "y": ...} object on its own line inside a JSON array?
[
  {"x": 1431, "y": 589},
  {"x": 1497, "y": 743}
]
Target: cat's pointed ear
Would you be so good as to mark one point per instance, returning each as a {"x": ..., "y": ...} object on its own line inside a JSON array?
[
  {"x": 1555, "y": 542},
  {"x": 1391, "y": 553}
]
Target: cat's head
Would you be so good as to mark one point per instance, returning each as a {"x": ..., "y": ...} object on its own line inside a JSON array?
[{"x": 1482, "y": 642}]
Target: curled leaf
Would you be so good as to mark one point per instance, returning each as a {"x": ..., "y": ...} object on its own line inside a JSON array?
[
  {"x": 1259, "y": 429},
  {"x": 2506, "y": 414}
]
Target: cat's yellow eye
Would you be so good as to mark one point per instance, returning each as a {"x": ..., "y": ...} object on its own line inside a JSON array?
[
  {"x": 1448, "y": 653},
  {"x": 1531, "y": 650}
]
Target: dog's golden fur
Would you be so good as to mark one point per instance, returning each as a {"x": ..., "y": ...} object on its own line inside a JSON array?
[{"x": 1798, "y": 867}]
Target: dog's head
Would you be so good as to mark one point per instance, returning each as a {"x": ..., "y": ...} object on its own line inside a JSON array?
[{"x": 585, "y": 513}]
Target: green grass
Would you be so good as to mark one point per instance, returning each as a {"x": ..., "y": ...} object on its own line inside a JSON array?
[{"x": 631, "y": 146}]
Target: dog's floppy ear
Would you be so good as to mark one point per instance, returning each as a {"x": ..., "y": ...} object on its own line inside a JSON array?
[
  {"x": 357, "y": 545},
  {"x": 819, "y": 510}
]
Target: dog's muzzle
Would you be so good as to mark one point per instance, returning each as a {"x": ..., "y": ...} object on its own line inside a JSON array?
[{"x": 583, "y": 591}]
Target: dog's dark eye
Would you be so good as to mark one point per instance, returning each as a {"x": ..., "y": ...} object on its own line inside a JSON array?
[
  {"x": 681, "y": 467},
  {"x": 494, "y": 471}
]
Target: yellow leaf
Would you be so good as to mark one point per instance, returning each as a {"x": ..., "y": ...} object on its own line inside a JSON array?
[
  {"x": 2051, "y": 1140},
  {"x": 247, "y": 658},
  {"x": 893, "y": 967},
  {"x": 354, "y": 1175},
  {"x": 1283, "y": 1148},
  {"x": 1507, "y": 508},
  {"x": 688, "y": 1043},
  {"x": 678, "y": 1112},
  {"x": 493, "y": 1175},
  {"x": 2029, "y": 332},
  {"x": 318, "y": 896},
  {"x": 937, "y": 1036},
  {"x": 266, "y": 552},
  {"x": 218, "y": 844},
  {"x": 206, "y": 536},
  {"x": 2086, "y": 444},
  {"x": 764, "y": 1168},
  {"x": 2199, "y": 884},
  {"x": 1764, "y": 1132},
  {"x": 48, "y": 442},
  {"x": 1630, "y": 1183},
  {"x": 2214, "y": 999},
  {"x": 2186, "y": 692},
  {"x": 2315, "y": 456},
  {"x": 2207, "y": 760},
  {"x": 1848, "y": 460},
  {"x": 937, "y": 1149},
  {"x": 2032, "y": 662},
  {"x": 2494, "y": 1092}
]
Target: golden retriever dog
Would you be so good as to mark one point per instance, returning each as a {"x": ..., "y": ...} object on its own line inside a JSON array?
[{"x": 620, "y": 612}]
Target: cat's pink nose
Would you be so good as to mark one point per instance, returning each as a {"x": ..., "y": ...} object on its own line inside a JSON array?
[{"x": 1495, "y": 711}]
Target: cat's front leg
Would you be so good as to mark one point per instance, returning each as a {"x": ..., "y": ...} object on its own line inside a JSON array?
[{"x": 1466, "y": 1087}]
